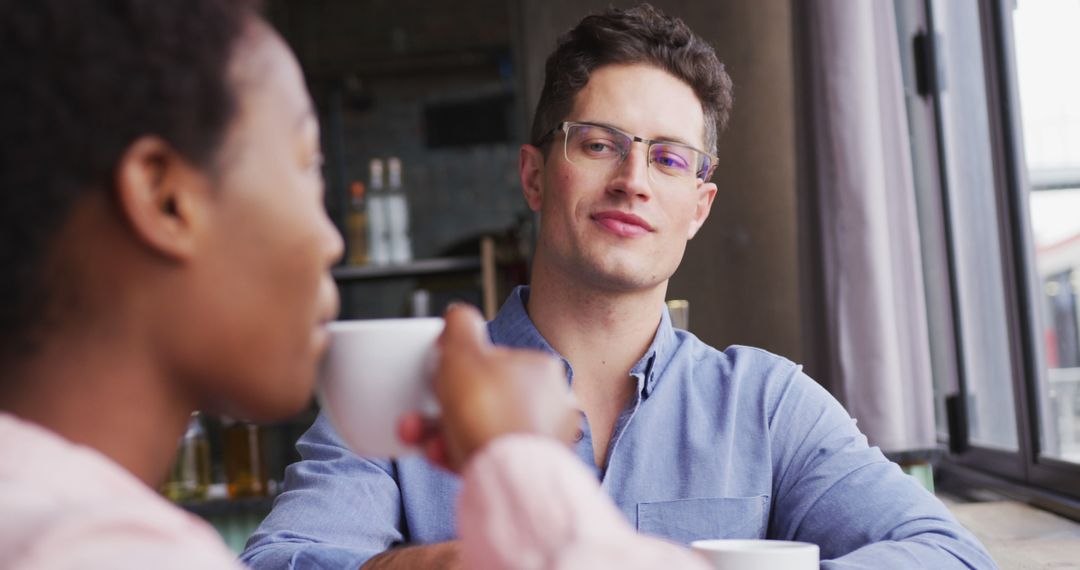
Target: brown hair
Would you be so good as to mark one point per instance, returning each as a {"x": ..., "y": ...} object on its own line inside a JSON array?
[{"x": 642, "y": 34}]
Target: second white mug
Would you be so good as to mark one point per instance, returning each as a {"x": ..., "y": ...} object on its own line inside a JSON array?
[{"x": 731, "y": 554}]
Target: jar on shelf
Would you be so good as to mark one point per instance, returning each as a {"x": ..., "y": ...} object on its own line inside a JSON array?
[
  {"x": 245, "y": 462},
  {"x": 189, "y": 478}
]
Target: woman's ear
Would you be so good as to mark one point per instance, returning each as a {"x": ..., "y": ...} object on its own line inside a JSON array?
[{"x": 161, "y": 196}]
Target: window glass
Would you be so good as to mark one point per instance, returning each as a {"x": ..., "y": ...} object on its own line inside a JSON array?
[
  {"x": 973, "y": 215},
  {"x": 1049, "y": 85}
]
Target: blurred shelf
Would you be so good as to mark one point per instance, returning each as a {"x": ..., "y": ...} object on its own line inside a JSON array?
[
  {"x": 227, "y": 507},
  {"x": 416, "y": 268},
  {"x": 484, "y": 61}
]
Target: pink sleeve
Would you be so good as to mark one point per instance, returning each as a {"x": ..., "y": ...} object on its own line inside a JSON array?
[
  {"x": 527, "y": 502},
  {"x": 128, "y": 539}
]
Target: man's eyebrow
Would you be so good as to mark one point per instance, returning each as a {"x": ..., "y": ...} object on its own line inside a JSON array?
[{"x": 673, "y": 139}]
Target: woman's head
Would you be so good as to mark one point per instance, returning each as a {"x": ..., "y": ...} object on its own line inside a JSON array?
[
  {"x": 80, "y": 81},
  {"x": 159, "y": 170}
]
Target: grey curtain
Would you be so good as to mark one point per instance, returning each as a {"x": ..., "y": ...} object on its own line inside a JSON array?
[{"x": 862, "y": 273}]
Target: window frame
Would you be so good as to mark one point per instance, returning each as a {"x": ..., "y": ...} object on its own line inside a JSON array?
[{"x": 1056, "y": 482}]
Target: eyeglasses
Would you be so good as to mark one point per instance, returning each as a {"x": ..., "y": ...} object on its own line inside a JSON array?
[{"x": 600, "y": 147}]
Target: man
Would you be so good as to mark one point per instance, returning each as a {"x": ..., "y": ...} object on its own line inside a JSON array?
[{"x": 690, "y": 442}]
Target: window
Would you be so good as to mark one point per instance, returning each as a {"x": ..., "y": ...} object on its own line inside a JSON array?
[
  {"x": 980, "y": 296},
  {"x": 1049, "y": 86},
  {"x": 994, "y": 108}
]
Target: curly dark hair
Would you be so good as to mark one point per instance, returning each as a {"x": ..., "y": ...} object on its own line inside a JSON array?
[
  {"x": 642, "y": 34},
  {"x": 80, "y": 80}
]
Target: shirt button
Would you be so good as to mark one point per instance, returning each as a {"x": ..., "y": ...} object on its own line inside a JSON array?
[{"x": 579, "y": 436}]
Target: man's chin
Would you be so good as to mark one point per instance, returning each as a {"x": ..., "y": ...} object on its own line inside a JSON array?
[{"x": 623, "y": 279}]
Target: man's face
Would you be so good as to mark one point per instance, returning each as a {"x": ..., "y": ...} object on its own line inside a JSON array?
[
  {"x": 618, "y": 229},
  {"x": 265, "y": 283}
]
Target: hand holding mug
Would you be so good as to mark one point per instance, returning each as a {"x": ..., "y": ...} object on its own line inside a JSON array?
[{"x": 486, "y": 391}]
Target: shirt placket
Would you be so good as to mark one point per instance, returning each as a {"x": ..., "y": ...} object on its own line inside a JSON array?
[{"x": 621, "y": 425}]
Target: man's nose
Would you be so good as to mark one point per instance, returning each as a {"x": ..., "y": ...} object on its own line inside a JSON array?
[{"x": 632, "y": 173}]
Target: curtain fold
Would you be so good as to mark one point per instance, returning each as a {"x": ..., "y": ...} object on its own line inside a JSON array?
[{"x": 862, "y": 267}]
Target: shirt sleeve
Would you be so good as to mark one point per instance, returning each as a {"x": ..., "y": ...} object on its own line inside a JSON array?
[
  {"x": 833, "y": 489},
  {"x": 526, "y": 502},
  {"x": 337, "y": 510},
  {"x": 127, "y": 538}
]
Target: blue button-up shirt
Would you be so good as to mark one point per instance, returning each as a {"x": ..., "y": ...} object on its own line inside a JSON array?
[{"x": 732, "y": 444}]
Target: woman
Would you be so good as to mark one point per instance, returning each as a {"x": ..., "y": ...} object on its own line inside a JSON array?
[{"x": 165, "y": 250}]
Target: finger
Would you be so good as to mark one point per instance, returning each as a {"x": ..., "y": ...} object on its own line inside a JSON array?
[
  {"x": 436, "y": 452},
  {"x": 465, "y": 329}
]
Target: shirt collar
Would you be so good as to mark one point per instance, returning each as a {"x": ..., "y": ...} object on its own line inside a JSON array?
[
  {"x": 513, "y": 327},
  {"x": 657, "y": 357}
]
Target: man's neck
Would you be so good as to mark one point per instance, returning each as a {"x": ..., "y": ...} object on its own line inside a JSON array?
[
  {"x": 595, "y": 330},
  {"x": 603, "y": 334},
  {"x": 104, "y": 395}
]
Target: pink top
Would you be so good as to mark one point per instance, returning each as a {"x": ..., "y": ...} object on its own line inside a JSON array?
[
  {"x": 528, "y": 503},
  {"x": 68, "y": 506}
]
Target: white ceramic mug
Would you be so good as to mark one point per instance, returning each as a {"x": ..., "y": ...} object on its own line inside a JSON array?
[
  {"x": 731, "y": 554},
  {"x": 374, "y": 372}
]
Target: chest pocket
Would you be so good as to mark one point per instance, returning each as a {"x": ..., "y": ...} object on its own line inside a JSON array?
[{"x": 687, "y": 520}]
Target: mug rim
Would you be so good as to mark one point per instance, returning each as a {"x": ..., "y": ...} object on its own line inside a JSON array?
[
  {"x": 351, "y": 325},
  {"x": 752, "y": 545}
]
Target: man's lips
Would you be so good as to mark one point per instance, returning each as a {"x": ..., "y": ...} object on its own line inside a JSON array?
[{"x": 622, "y": 223}]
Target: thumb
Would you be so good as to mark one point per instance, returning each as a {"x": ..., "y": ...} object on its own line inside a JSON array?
[{"x": 465, "y": 330}]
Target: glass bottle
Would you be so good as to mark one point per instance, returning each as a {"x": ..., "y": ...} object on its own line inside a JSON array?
[
  {"x": 397, "y": 210},
  {"x": 245, "y": 463},
  {"x": 189, "y": 478},
  {"x": 377, "y": 219},
  {"x": 357, "y": 225},
  {"x": 679, "y": 309}
]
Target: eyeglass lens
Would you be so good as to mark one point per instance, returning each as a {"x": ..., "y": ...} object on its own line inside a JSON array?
[{"x": 601, "y": 146}]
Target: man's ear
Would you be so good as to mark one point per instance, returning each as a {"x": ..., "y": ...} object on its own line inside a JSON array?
[
  {"x": 531, "y": 170},
  {"x": 706, "y": 194},
  {"x": 161, "y": 196}
]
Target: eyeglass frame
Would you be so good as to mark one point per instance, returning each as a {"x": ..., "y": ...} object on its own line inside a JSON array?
[{"x": 564, "y": 125}]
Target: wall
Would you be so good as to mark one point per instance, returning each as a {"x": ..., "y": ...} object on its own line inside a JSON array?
[{"x": 740, "y": 273}]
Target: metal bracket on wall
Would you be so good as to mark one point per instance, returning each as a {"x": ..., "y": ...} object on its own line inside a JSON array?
[
  {"x": 929, "y": 77},
  {"x": 956, "y": 417}
]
